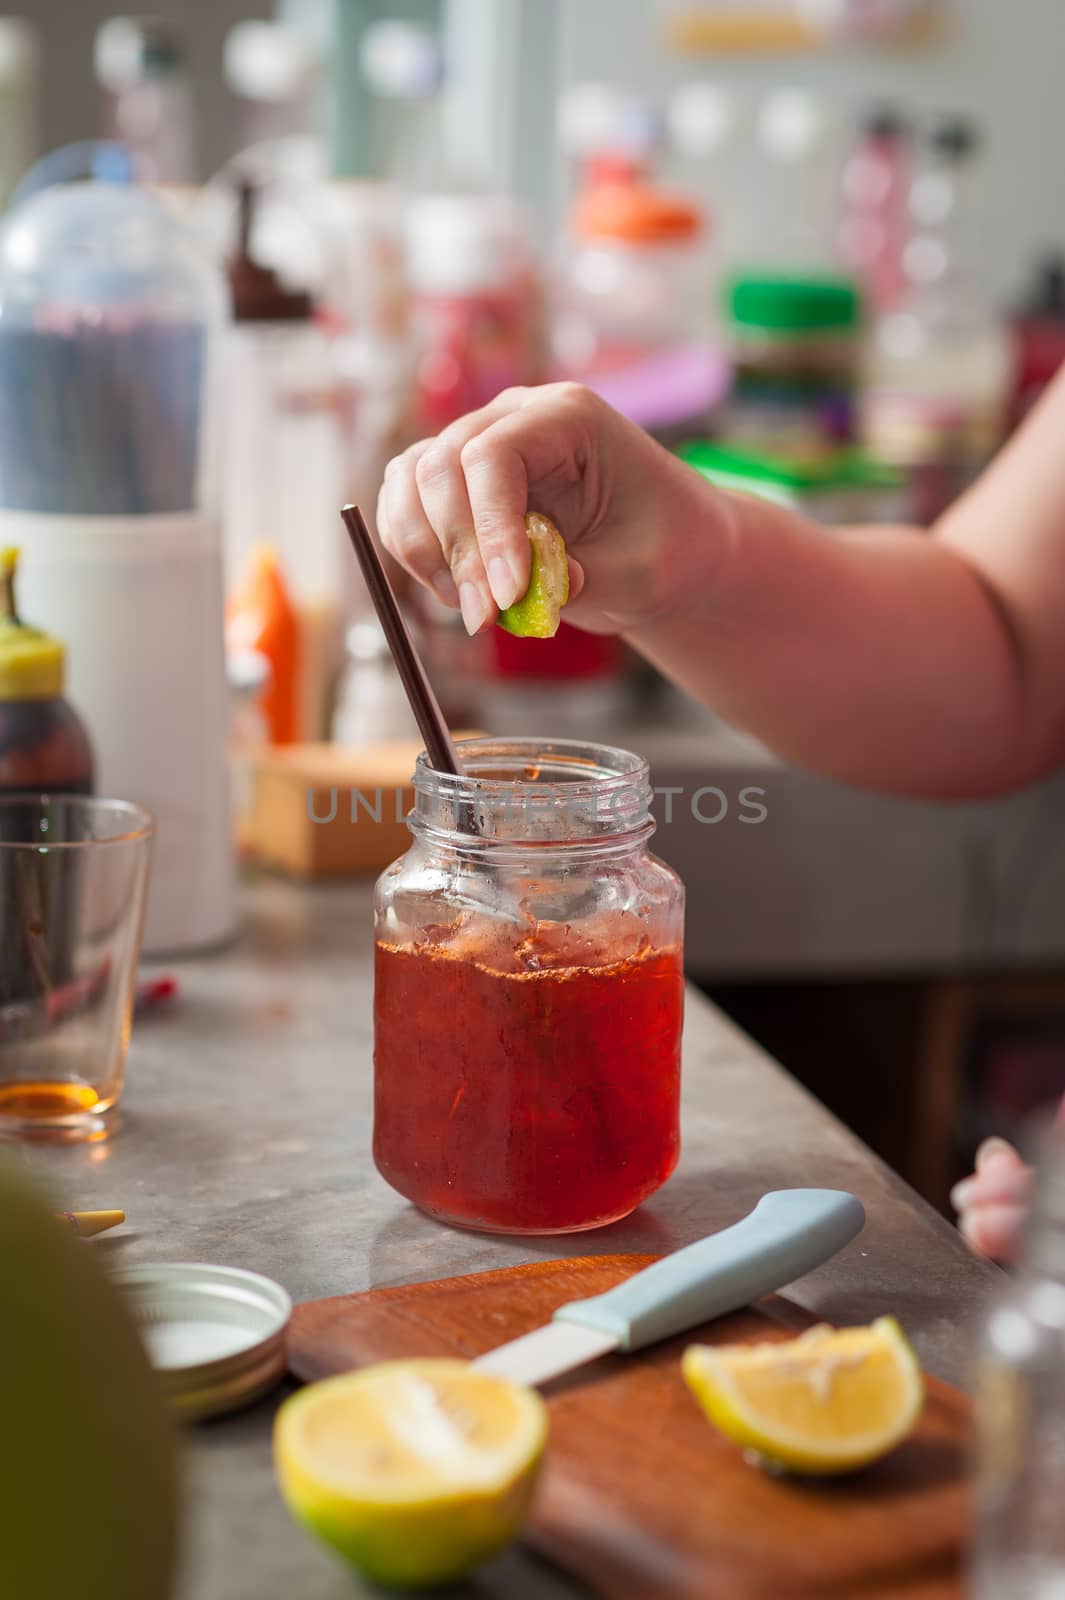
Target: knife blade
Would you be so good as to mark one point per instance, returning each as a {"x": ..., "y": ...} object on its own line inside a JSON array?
[{"x": 789, "y": 1232}]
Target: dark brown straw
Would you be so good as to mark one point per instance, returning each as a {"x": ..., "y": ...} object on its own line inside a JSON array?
[{"x": 419, "y": 690}]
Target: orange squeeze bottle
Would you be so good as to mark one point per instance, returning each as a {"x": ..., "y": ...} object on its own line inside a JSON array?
[{"x": 260, "y": 617}]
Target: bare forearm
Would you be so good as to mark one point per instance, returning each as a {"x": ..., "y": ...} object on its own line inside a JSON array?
[
  {"x": 923, "y": 664},
  {"x": 877, "y": 656}
]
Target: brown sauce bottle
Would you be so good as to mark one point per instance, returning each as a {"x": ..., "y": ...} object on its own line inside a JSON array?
[{"x": 44, "y": 747}]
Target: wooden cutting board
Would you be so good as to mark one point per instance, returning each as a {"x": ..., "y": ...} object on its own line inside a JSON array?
[{"x": 641, "y": 1498}]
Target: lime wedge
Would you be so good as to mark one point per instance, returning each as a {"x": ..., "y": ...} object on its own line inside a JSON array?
[
  {"x": 413, "y": 1471},
  {"x": 830, "y": 1401},
  {"x": 536, "y": 614}
]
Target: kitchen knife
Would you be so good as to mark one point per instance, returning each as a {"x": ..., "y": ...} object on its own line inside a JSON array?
[{"x": 788, "y": 1233}]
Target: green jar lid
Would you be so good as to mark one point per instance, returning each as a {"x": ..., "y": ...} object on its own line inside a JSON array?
[
  {"x": 794, "y": 305},
  {"x": 760, "y": 472}
]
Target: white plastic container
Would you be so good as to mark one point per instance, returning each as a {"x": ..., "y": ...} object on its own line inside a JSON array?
[
  {"x": 138, "y": 601},
  {"x": 283, "y": 460},
  {"x": 635, "y": 282},
  {"x": 283, "y": 488},
  {"x": 109, "y": 316},
  {"x": 317, "y": 405}
]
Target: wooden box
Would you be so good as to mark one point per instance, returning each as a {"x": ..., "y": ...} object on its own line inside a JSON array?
[{"x": 320, "y": 811}]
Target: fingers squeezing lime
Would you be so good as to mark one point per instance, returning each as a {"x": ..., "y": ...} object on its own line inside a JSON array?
[{"x": 536, "y": 614}]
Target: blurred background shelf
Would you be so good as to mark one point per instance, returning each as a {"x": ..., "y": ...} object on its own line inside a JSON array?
[{"x": 725, "y": 29}]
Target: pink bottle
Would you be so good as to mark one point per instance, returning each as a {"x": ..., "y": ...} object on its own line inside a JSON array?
[{"x": 873, "y": 225}]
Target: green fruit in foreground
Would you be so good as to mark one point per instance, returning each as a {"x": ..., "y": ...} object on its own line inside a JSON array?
[
  {"x": 536, "y": 615},
  {"x": 88, "y": 1454}
]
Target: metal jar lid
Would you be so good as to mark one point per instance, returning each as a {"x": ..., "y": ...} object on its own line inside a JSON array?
[{"x": 215, "y": 1335}]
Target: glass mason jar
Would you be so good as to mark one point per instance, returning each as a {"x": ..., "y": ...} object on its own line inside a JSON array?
[
  {"x": 529, "y": 992},
  {"x": 1019, "y": 1533}
]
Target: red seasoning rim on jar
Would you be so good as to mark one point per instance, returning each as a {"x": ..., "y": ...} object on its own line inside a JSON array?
[{"x": 608, "y": 766}]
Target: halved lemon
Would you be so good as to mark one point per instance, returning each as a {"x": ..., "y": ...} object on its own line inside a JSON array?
[
  {"x": 536, "y": 615},
  {"x": 414, "y": 1471},
  {"x": 830, "y": 1401}
]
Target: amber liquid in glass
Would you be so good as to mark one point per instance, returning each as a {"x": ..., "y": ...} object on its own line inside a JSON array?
[{"x": 518, "y": 1093}]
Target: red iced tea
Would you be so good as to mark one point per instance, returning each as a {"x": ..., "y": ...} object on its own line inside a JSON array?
[{"x": 519, "y": 1092}]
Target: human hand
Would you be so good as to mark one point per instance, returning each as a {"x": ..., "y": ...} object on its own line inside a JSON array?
[
  {"x": 994, "y": 1202},
  {"x": 635, "y": 519}
]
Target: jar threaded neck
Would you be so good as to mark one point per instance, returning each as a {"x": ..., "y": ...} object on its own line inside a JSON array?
[{"x": 535, "y": 791}]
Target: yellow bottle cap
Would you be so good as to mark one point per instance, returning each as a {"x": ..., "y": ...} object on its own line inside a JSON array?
[{"x": 31, "y": 661}]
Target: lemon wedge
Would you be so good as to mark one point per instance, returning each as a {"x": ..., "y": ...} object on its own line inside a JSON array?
[
  {"x": 536, "y": 615},
  {"x": 413, "y": 1471},
  {"x": 830, "y": 1401}
]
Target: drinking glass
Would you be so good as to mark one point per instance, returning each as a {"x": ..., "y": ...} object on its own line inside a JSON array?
[{"x": 73, "y": 884}]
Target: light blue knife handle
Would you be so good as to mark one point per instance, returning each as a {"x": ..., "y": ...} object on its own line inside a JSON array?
[{"x": 788, "y": 1233}]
